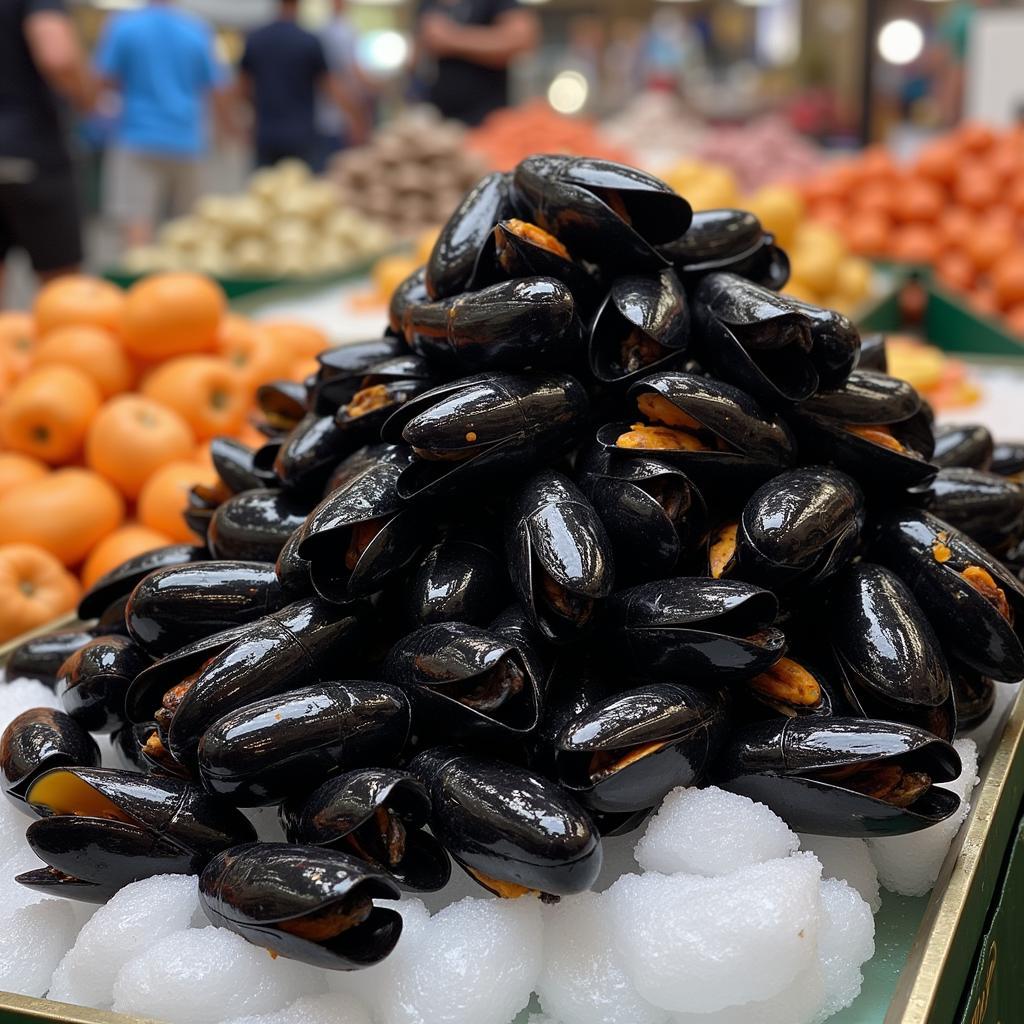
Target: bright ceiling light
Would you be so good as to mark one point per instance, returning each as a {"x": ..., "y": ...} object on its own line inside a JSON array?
[
  {"x": 383, "y": 52},
  {"x": 900, "y": 41},
  {"x": 567, "y": 92}
]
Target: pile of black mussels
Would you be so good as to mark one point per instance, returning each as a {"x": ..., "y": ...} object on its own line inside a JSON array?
[{"x": 601, "y": 514}]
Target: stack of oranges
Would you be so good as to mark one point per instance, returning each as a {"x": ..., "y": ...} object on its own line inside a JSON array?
[
  {"x": 108, "y": 402},
  {"x": 958, "y": 208}
]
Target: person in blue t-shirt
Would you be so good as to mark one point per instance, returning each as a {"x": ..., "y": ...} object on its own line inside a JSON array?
[{"x": 162, "y": 62}]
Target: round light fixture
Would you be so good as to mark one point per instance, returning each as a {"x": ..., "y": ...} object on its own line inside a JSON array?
[
  {"x": 567, "y": 92},
  {"x": 900, "y": 41}
]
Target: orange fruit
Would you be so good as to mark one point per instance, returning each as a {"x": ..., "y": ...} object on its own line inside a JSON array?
[
  {"x": 16, "y": 469},
  {"x": 17, "y": 341},
  {"x": 955, "y": 226},
  {"x": 77, "y": 299},
  {"x": 983, "y": 301},
  {"x": 831, "y": 214},
  {"x": 299, "y": 340},
  {"x": 1008, "y": 280},
  {"x": 206, "y": 391},
  {"x": 919, "y": 200},
  {"x": 131, "y": 437},
  {"x": 939, "y": 161},
  {"x": 125, "y": 542},
  {"x": 172, "y": 314},
  {"x": 48, "y": 412},
  {"x": 976, "y": 187},
  {"x": 955, "y": 271},
  {"x": 986, "y": 247},
  {"x": 868, "y": 234},
  {"x": 34, "y": 589},
  {"x": 94, "y": 351},
  {"x": 302, "y": 369},
  {"x": 256, "y": 355},
  {"x": 915, "y": 243},
  {"x": 876, "y": 196},
  {"x": 1015, "y": 320},
  {"x": 974, "y": 136},
  {"x": 67, "y": 512},
  {"x": 164, "y": 498}
]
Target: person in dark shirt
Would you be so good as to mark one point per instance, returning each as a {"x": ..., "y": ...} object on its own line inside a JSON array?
[
  {"x": 41, "y": 61},
  {"x": 473, "y": 42},
  {"x": 282, "y": 70}
]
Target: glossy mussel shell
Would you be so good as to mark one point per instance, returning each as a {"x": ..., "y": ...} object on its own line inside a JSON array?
[
  {"x": 173, "y": 607},
  {"x": 343, "y": 368},
  {"x": 309, "y": 452},
  {"x": 931, "y": 556},
  {"x": 283, "y": 403},
  {"x": 255, "y": 525},
  {"x": 266, "y": 892},
  {"x": 511, "y": 828},
  {"x": 95, "y": 679},
  {"x": 236, "y": 466},
  {"x": 779, "y": 763},
  {"x": 889, "y": 657},
  {"x": 340, "y": 812},
  {"x": 41, "y": 657},
  {"x": 292, "y": 570},
  {"x": 1008, "y": 460},
  {"x": 706, "y": 630},
  {"x": 411, "y": 291},
  {"x": 835, "y": 344},
  {"x": 102, "y": 828},
  {"x": 965, "y": 445}
]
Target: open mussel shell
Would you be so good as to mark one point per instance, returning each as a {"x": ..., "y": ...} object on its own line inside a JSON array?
[
  {"x": 343, "y": 368},
  {"x": 835, "y": 344},
  {"x": 483, "y": 426},
  {"x": 37, "y": 740},
  {"x": 172, "y": 607},
  {"x": 255, "y": 524},
  {"x": 292, "y": 570},
  {"x": 626, "y": 753},
  {"x": 855, "y": 777},
  {"x": 464, "y": 680},
  {"x": 102, "y": 828},
  {"x": 559, "y": 555},
  {"x": 710, "y": 429},
  {"x": 412, "y": 291},
  {"x": 384, "y": 388},
  {"x": 974, "y": 602},
  {"x": 303, "y": 902},
  {"x": 263, "y": 752},
  {"x": 283, "y": 403},
  {"x": 95, "y": 679},
  {"x": 888, "y": 655},
  {"x": 377, "y": 815},
  {"x": 41, "y": 657},
  {"x": 702, "y": 629},
  {"x": 643, "y": 324},
  {"x": 965, "y": 445},
  {"x": 796, "y": 685},
  {"x": 872, "y": 355},
  {"x": 987, "y": 508},
  {"x": 601, "y": 211},
  {"x": 235, "y": 465},
  {"x": 1008, "y": 460},
  {"x": 548, "y": 843},
  {"x": 874, "y": 428},
  {"x": 975, "y": 698},
  {"x": 123, "y": 579}
]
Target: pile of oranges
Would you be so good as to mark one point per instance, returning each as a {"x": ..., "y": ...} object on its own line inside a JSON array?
[
  {"x": 958, "y": 208},
  {"x": 108, "y": 402}
]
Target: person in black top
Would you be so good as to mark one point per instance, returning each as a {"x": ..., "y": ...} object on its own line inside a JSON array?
[
  {"x": 282, "y": 70},
  {"x": 473, "y": 43},
  {"x": 40, "y": 61}
]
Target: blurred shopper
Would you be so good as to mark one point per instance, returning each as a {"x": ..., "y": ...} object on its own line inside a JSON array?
[
  {"x": 473, "y": 43},
  {"x": 40, "y": 60},
  {"x": 162, "y": 61},
  {"x": 283, "y": 69}
]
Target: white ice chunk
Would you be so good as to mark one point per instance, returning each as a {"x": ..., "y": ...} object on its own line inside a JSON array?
[
  {"x": 329, "y": 1008},
  {"x": 694, "y": 945},
  {"x": 134, "y": 919},
  {"x": 33, "y": 937},
  {"x": 712, "y": 832},
  {"x": 541, "y": 1018},
  {"x": 800, "y": 1002},
  {"x": 15, "y": 853},
  {"x": 582, "y": 981},
  {"x": 849, "y": 860},
  {"x": 910, "y": 864},
  {"x": 21, "y": 695},
  {"x": 846, "y": 939}
]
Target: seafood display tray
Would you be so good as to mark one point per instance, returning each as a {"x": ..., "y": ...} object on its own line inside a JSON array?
[{"x": 926, "y": 948}]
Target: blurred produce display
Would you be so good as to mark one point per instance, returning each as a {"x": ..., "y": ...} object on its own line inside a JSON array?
[
  {"x": 957, "y": 208},
  {"x": 108, "y": 402},
  {"x": 657, "y": 127},
  {"x": 509, "y": 135},
  {"x": 944, "y": 381},
  {"x": 411, "y": 175},
  {"x": 288, "y": 223}
]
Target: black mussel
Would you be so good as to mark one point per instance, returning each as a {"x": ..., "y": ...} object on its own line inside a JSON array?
[
  {"x": 292, "y": 569},
  {"x": 172, "y": 607},
  {"x": 102, "y": 828},
  {"x": 643, "y": 324},
  {"x": 629, "y": 751},
  {"x": 512, "y": 830},
  {"x": 1008, "y": 460},
  {"x": 303, "y": 902},
  {"x": 986, "y": 507},
  {"x": 460, "y": 579},
  {"x": 121, "y": 581},
  {"x": 309, "y": 453},
  {"x": 874, "y": 427},
  {"x": 41, "y": 657},
  {"x": 362, "y": 534},
  {"x": 128, "y": 743},
  {"x": 701, "y": 629},
  {"x": 255, "y": 524},
  {"x": 974, "y": 602},
  {"x": 485, "y": 426},
  {"x": 559, "y": 555},
  {"x": 965, "y": 445},
  {"x": 654, "y": 514},
  {"x": 889, "y": 658},
  {"x": 112, "y": 621},
  {"x": 793, "y": 686},
  {"x": 854, "y": 777},
  {"x": 835, "y": 344},
  {"x": 95, "y": 680},
  {"x": 36, "y": 741},
  {"x": 377, "y": 815},
  {"x": 975, "y": 698},
  {"x": 525, "y": 323},
  {"x": 708, "y": 428},
  {"x": 235, "y": 465},
  {"x": 872, "y": 354},
  {"x": 755, "y": 338},
  {"x": 283, "y": 403},
  {"x": 601, "y": 211},
  {"x": 465, "y": 681},
  {"x": 514, "y": 624},
  {"x": 269, "y": 749},
  {"x": 342, "y": 370},
  {"x": 798, "y": 529},
  {"x": 384, "y": 387},
  {"x": 453, "y": 259},
  {"x": 411, "y": 291},
  {"x": 202, "y": 502}
]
